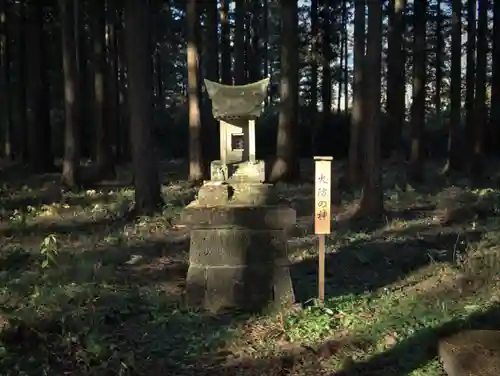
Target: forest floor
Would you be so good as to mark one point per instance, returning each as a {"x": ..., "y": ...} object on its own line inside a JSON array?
[{"x": 86, "y": 291}]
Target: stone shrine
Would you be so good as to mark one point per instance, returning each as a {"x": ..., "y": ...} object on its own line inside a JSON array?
[
  {"x": 238, "y": 255},
  {"x": 237, "y": 108}
]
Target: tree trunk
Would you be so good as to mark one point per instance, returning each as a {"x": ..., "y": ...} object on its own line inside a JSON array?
[
  {"x": 156, "y": 35},
  {"x": 358, "y": 114},
  {"x": 341, "y": 67},
  {"x": 395, "y": 75},
  {"x": 239, "y": 43},
  {"x": 286, "y": 166},
  {"x": 438, "y": 61},
  {"x": 21, "y": 146},
  {"x": 326, "y": 87},
  {"x": 253, "y": 58},
  {"x": 5, "y": 85},
  {"x": 195, "y": 154},
  {"x": 454, "y": 152},
  {"x": 470, "y": 75},
  {"x": 265, "y": 41},
  {"x": 211, "y": 144},
  {"x": 314, "y": 72},
  {"x": 104, "y": 154},
  {"x": 112, "y": 88},
  {"x": 212, "y": 45},
  {"x": 85, "y": 84},
  {"x": 38, "y": 105},
  {"x": 124, "y": 149},
  {"x": 371, "y": 204},
  {"x": 225, "y": 53},
  {"x": 480, "y": 99},
  {"x": 345, "y": 18},
  {"x": 416, "y": 172},
  {"x": 71, "y": 95},
  {"x": 140, "y": 79},
  {"x": 495, "y": 81}
]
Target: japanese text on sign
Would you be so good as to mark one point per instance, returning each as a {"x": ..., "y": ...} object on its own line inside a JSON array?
[{"x": 322, "y": 187}]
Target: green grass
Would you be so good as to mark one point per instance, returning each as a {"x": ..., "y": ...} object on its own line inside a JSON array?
[{"x": 85, "y": 291}]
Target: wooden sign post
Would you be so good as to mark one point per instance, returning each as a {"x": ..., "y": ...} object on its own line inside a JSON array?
[{"x": 322, "y": 213}]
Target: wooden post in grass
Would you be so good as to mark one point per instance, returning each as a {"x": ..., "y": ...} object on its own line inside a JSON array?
[{"x": 322, "y": 213}]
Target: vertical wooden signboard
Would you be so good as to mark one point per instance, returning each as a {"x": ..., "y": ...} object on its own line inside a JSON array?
[{"x": 322, "y": 213}]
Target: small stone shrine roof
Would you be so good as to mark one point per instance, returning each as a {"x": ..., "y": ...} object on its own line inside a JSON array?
[{"x": 237, "y": 101}]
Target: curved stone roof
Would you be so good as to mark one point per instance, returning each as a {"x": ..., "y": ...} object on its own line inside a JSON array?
[{"x": 237, "y": 101}]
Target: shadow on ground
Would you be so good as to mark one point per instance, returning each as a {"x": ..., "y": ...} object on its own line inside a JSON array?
[
  {"x": 404, "y": 357},
  {"x": 369, "y": 265},
  {"x": 98, "y": 313}
]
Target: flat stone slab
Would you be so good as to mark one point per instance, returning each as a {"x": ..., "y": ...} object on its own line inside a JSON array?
[
  {"x": 270, "y": 217},
  {"x": 236, "y": 193},
  {"x": 471, "y": 353}
]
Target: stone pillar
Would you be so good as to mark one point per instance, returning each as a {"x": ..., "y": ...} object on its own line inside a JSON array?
[
  {"x": 251, "y": 141},
  {"x": 238, "y": 256},
  {"x": 223, "y": 142}
]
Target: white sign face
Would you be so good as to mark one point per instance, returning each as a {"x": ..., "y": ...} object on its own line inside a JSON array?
[{"x": 322, "y": 195}]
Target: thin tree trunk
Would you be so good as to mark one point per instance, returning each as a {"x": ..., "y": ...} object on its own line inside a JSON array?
[
  {"x": 195, "y": 154},
  {"x": 371, "y": 204},
  {"x": 314, "y": 72},
  {"x": 85, "y": 84},
  {"x": 21, "y": 129},
  {"x": 495, "y": 81},
  {"x": 5, "y": 87},
  {"x": 112, "y": 87},
  {"x": 470, "y": 75},
  {"x": 416, "y": 172},
  {"x": 480, "y": 99},
  {"x": 454, "y": 153},
  {"x": 358, "y": 113},
  {"x": 225, "y": 55},
  {"x": 265, "y": 47},
  {"x": 211, "y": 144},
  {"x": 340, "y": 83},
  {"x": 38, "y": 105},
  {"x": 286, "y": 166},
  {"x": 124, "y": 149},
  {"x": 239, "y": 47},
  {"x": 346, "y": 55},
  {"x": 71, "y": 94},
  {"x": 438, "y": 61},
  {"x": 104, "y": 155},
  {"x": 395, "y": 75},
  {"x": 140, "y": 79},
  {"x": 254, "y": 69},
  {"x": 326, "y": 87}
]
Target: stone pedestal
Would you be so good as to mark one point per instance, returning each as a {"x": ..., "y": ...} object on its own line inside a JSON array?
[
  {"x": 238, "y": 256},
  {"x": 471, "y": 353}
]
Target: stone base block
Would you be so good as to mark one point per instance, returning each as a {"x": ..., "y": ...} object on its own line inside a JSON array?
[
  {"x": 239, "y": 257},
  {"x": 471, "y": 353},
  {"x": 249, "y": 288}
]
